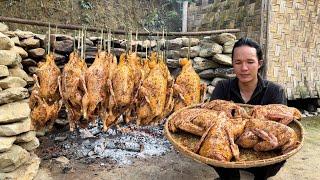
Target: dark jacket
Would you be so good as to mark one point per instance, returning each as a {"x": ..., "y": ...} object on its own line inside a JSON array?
[{"x": 266, "y": 92}]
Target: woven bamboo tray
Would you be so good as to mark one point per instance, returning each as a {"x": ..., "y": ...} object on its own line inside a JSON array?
[{"x": 185, "y": 142}]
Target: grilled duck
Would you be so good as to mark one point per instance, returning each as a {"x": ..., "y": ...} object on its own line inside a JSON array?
[
  {"x": 122, "y": 87},
  {"x": 218, "y": 141},
  {"x": 45, "y": 101},
  {"x": 72, "y": 90},
  {"x": 155, "y": 95},
  {"x": 276, "y": 112},
  {"x": 195, "y": 121},
  {"x": 264, "y": 135},
  {"x": 231, "y": 109},
  {"x": 95, "y": 83},
  {"x": 187, "y": 87}
]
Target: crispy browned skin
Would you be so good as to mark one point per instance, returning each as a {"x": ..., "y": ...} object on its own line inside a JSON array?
[
  {"x": 47, "y": 75},
  {"x": 96, "y": 76},
  {"x": 45, "y": 100},
  {"x": 231, "y": 109},
  {"x": 155, "y": 95},
  {"x": 195, "y": 121},
  {"x": 187, "y": 87},
  {"x": 43, "y": 114},
  {"x": 276, "y": 112},
  {"x": 264, "y": 135},
  {"x": 72, "y": 90},
  {"x": 122, "y": 86},
  {"x": 218, "y": 141}
]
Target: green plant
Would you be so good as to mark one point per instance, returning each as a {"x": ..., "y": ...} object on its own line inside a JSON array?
[
  {"x": 86, "y": 4},
  {"x": 166, "y": 15}
]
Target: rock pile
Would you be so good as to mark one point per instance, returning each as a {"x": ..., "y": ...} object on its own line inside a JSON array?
[{"x": 17, "y": 139}]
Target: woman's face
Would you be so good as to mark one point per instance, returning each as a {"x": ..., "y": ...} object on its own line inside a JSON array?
[{"x": 246, "y": 64}]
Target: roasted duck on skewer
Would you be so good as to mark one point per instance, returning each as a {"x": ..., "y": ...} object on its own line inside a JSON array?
[
  {"x": 155, "y": 95},
  {"x": 95, "y": 83},
  {"x": 72, "y": 89},
  {"x": 122, "y": 86},
  {"x": 187, "y": 88},
  {"x": 45, "y": 101}
]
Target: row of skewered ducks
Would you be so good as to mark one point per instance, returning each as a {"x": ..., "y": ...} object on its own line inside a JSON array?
[
  {"x": 224, "y": 126},
  {"x": 142, "y": 90}
]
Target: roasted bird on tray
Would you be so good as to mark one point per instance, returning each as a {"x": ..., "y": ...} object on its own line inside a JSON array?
[
  {"x": 231, "y": 109},
  {"x": 195, "y": 121},
  {"x": 262, "y": 135},
  {"x": 218, "y": 141},
  {"x": 276, "y": 112},
  {"x": 224, "y": 126}
]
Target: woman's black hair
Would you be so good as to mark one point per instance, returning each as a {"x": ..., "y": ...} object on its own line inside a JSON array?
[{"x": 251, "y": 43}]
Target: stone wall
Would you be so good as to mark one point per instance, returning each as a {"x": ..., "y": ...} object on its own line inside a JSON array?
[
  {"x": 286, "y": 29},
  {"x": 225, "y": 14},
  {"x": 17, "y": 137},
  {"x": 211, "y": 55},
  {"x": 294, "y": 47}
]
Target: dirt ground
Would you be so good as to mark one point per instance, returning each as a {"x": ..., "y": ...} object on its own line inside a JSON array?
[{"x": 303, "y": 165}]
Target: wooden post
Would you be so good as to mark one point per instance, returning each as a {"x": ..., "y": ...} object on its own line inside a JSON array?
[
  {"x": 185, "y": 16},
  {"x": 117, "y": 32},
  {"x": 204, "y": 3}
]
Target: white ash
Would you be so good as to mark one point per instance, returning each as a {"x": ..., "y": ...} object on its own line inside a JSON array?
[
  {"x": 122, "y": 146},
  {"x": 306, "y": 113}
]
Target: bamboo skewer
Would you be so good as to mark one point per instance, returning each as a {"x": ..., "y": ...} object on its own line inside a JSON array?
[
  {"x": 49, "y": 32},
  {"x": 74, "y": 40},
  {"x": 109, "y": 42},
  {"x": 189, "y": 44},
  {"x": 79, "y": 39},
  {"x": 81, "y": 54},
  {"x": 102, "y": 41},
  {"x": 136, "y": 48},
  {"x": 130, "y": 41}
]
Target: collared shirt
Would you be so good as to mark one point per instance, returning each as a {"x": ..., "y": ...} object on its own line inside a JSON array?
[{"x": 266, "y": 92}]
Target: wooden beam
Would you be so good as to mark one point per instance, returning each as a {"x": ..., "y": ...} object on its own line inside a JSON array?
[{"x": 119, "y": 32}]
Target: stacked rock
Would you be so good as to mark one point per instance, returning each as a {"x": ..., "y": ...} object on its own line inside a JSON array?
[
  {"x": 211, "y": 55},
  {"x": 17, "y": 138}
]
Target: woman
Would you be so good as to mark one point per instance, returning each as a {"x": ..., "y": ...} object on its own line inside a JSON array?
[{"x": 249, "y": 88}]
